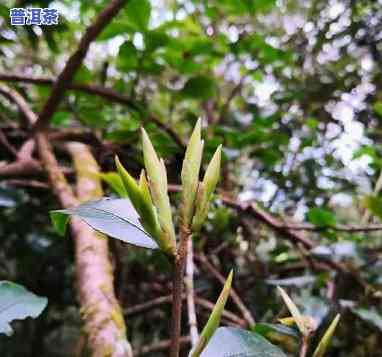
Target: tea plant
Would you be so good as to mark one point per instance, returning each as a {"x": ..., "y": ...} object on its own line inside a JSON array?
[{"x": 144, "y": 218}]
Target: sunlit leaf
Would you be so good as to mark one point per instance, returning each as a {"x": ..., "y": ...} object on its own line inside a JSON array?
[
  {"x": 321, "y": 217},
  {"x": 115, "y": 182},
  {"x": 116, "y": 218},
  {"x": 17, "y": 303},
  {"x": 138, "y": 13}
]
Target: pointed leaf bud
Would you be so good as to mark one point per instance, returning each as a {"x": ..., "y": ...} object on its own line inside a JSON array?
[
  {"x": 157, "y": 175},
  {"x": 325, "y": 341},
  {"x": 190, "y": 173},
  {"x": 206, "y": 189},
  {"x": 214, "y": 319}
]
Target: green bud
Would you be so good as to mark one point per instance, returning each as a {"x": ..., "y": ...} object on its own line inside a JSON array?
[
  {"x": 130, "y": 184},
  {"x": 164, "y": 243},
  {"x": 295, "y": 312},
  {"x": 190, "y": 173},
  {"x": 113, "y": 179},
  {"x": 157, "y": 175},
  {"x": 206, "y": 189},
  {"x": 140, "y": 198},
  {"x": 325, "y": 341},
  {"x": 212, "y": 175},
  {"x": 214, "y": 319}
]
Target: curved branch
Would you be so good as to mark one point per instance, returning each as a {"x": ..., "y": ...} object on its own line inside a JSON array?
[
  {"x": 103, "y": 92},
  {"x": 74, "y": 62}
]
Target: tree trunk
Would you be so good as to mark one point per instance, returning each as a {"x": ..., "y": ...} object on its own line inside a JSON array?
[{"x": 103, "y": 317}]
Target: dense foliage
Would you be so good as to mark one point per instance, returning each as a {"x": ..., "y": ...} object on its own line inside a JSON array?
[{"x": 292, "y": 91}]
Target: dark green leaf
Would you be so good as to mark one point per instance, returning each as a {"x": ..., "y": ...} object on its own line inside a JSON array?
[
  {"x": 199, "y": 87},
  {"x": 127, "y": 57},
  {"x": 60, "y": 221},
  {"x": 264, "y": 329}
]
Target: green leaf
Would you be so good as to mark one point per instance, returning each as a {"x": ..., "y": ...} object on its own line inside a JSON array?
[
  {"x": 156, "y": 172},
  {"x": 113, "y": 179},
  {"x": 190, "y": 173},
  {"x": 127, "y": 57},
  {"x": 17, "y": 303},
  {"x": 206, "y": 189},
  {"x": 230, "y": 341},
  {"x": 138, "y": 13},
  {"x": 325, "y": 341},
  {"x": 199, "y": 87},
  {"x": 374, "y": 204},
  {"x": 265, "y": 329},
  {"x": 321, "y": 217},
  {"x": 214, "y": 319},
  {"x": 131, "y": 186},
  {"x": 59, "y": 221},
  {"x": 116, "y": 218},
  {"x": 115, "y": 28},
  {"x": 140, "y": 197},
  {"x": 279, "y": 334},
  {"x": 378, "y": 109}
]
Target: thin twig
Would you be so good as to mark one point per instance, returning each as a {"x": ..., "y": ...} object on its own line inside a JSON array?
[
  {"x": 304, "y": 346},
  {"x": 295, "y": 237},
  {"x": 180, "y": 261},
  {"x": 189, "y": 283},
  {"x": 4, "y": 141},
  {"x": 167, "y": 299},
  {"x": 160, "y": 346},
  {"x": 339, "y": 228},
  {"x": 27, "y": 183},
  {"x": 234, "y": 295}
]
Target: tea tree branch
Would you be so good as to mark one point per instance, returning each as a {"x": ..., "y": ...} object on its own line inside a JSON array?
[{"x": 180, "y": 261}]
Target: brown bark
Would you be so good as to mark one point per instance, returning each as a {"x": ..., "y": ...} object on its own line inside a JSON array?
[{"x": 177, "y": 291}]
